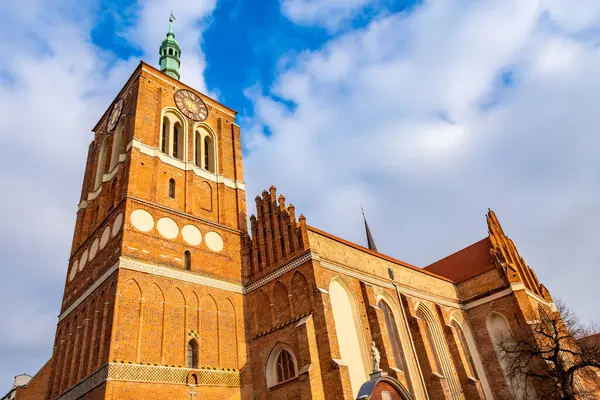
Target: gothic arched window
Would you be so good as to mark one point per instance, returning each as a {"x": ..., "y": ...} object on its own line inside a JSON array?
[
  {"x": 198, "y": 153},
  {"x": 206, "y": 153},
  {"x": 192, "y": 354},
  {"x": 101, "y": 163},
  {"x": 188, "y": 260},
  {"x": 172, "y": 188},
  {"x": 470, "y": 365},
  {"x": 285, "y": 367},
  {"x": 281, "y": 365},
  {"x": 164, "y": 142},
  {"x": 437, "y": 367},
  {"x": 176, "y": 142}
]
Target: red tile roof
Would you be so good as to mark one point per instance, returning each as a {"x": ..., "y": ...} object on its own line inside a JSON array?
[{"x": 466, "y": 263}]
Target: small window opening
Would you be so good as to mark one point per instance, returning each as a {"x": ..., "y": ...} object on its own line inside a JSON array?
[
  {"x": 175, "y": 142},
  {"x": 206, "y": 154},
  {"x": 172, "y": 188},
  {"x": 188, "y": 261},
  {"x": 163, "y": 145},
  {"x": 192, "y": 354}
]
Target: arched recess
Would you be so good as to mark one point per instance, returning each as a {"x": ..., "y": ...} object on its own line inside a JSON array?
[
  {"x": 471, "y": 347},
  {"x": 349, "y": 333},
  {"x": 78, "y": 354},
  {"x": 90, "y": 338},
  {"x": 152, "y": 325},
  {"x": 278, "y": 368},
  {"x": 101, "y": 164},
  {"x": 209, "y": 332},
  {"x": 228, "y": 335},
  {"x": 205, "y": 196},
  {"x": 57, "y": 361},
  {"x": 500, "y": 333},
  {"x": 173, "y": 136},
  {"x": 205, "y": 148},
  {"x": 126, "y": 343},
  {"x": 66, "y": 359},
  {"x": 399, "y": 339},
  {"x": 74, "y": 362},
  {"x": 282, "y": 303},
  {"x": 174, "y": 340},
  {"x": 97, "y": 336},
  {"x": 193, "y": 313},
  {"x": 440, "y": 355},
  {"x": 117, "y": 144},
  {"x": 300, "y": 292},
  {"x": 262, "y": 312}
]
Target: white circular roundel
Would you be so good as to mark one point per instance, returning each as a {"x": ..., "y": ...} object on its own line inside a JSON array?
[
  {"x": 191, "y": 235},
  {"x": 117, "y": 224},
  {"x": 214, "y": 241},
  {"x": 73, "y": 271},
  {"x": 105, "y": 237},
  {"x": 83, "y": 259},
  {"x": 94, "y": 249},
  {"x": 142, "y": 220},
  {"x": 168, "y": 228}
]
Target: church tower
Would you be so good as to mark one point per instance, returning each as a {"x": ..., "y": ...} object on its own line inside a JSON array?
[{"x": 153, "y": 305}]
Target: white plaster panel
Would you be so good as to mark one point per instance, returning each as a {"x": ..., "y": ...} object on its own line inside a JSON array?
[
  {"x": 94, "y": 248},
  {"x": 83, "y": 259},
  {"x": 73, "y": 270},
  {"x": 191, "y": 235},
  {"x": 214, "y": 241},
  {"x": 168, "y": 228},
  {"x": 117, "y": 224},
  {"x": 105, "y": 237},
  {"x": 142, "y": 220}
]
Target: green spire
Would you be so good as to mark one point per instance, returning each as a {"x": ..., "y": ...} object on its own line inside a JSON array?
[{"x": 169, "y": 53}]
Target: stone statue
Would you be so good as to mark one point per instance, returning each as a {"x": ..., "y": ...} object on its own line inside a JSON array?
[{"x": 376, "y": 357}]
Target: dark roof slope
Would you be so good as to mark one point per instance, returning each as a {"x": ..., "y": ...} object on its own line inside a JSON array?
[{"x": 466, "y": 263}]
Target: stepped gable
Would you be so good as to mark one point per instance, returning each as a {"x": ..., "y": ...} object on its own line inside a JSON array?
[{"x": 276, "y": 234}]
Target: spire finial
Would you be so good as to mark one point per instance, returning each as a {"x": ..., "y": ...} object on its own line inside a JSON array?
[
  {"x": 370, "y": 240},
  {"x": 171, "y": 20}
]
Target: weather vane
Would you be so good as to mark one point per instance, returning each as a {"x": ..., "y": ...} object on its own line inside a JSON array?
[{"x": 172, "y": 17}]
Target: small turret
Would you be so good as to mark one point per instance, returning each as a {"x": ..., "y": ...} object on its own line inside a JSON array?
[{"x": 170, "y": 53}]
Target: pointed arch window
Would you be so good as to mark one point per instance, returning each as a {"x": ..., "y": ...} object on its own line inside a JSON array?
[
  {"x": 198, "y": 146},
  {"x": 285, "y": 367},
  {"x": 188, "y": 260},
  {"x": 172, "y": 188},
  {"x": 164, "y": 137},
  {"x": 192, "y": 354},
  {"x": 470, "y": 365},
  {"x": 394, "y": 335},
  {"x": 437, "y": 367},
  {"x": 176, "y": 141},
  {"x": 101, "y": 163}
]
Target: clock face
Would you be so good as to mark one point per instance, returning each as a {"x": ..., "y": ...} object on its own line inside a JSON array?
[
  {"x": 115, "y": 114},
  {"x": 191, "y": 105}
]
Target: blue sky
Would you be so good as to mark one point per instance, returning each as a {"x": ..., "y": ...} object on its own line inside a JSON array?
[{"x": 427, "y": 113}]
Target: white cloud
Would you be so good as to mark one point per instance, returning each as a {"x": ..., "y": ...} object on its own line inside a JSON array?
[
  {"x": 394, "y": 111},
  {"x": 327, "y": 13}
]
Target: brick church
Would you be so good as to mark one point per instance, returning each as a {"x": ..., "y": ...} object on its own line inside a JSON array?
[{"x": 171, "y": 293}]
